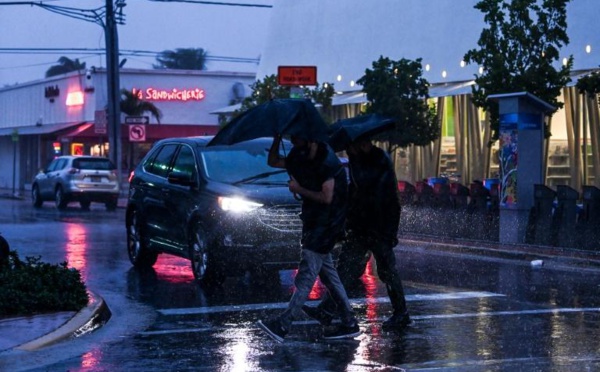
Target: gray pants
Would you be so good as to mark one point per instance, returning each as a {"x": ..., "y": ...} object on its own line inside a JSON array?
[{"x": 311, "y": 265}]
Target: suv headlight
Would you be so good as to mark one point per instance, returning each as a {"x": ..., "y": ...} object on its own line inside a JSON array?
[{"x": 237, "y": 205}]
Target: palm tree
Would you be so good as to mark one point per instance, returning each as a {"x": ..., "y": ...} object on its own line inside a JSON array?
[
  {"x": 131, "y": 104},
  {"x": 182, "y": 59},
  {"x": 65, "y": 65}
]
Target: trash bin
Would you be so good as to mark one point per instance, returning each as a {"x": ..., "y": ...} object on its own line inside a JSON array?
[
  {"x": 565, "y": 216},
  {"x": 479, "y": 197},
  {"x": 406, "y": 192},
  {"x": 441, "y": 195},
  {"x": 590, "y": 218},
  {"x": 539, "y": 227},
  {"x": 423, "y": 193},
  {"x": 459, "y": 194}
]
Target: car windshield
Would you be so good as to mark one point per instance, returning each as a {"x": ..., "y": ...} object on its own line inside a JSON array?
[{"x": 234, "y": 165}]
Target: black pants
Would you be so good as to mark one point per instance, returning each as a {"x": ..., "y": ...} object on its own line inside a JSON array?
[{"x": 353, "y": 258}]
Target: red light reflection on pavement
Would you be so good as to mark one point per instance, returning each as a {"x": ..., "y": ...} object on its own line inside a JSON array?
[
  {"x": 91, "y": 359},
  {"x": 76, "y": 248},
  {"x": 369, "y": 279},
  {"x": 317, "y": 290},
  {"x": 173, "y": 269}
]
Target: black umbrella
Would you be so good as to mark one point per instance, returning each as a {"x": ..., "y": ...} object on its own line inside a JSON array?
[
  {"x": 345, "y": 131},
  {"x": 294, "y": 117}
]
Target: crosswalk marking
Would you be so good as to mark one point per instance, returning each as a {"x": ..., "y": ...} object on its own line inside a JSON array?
[
  {"x": 413, "y": 317},
  {"x": 354, "y": 301}
]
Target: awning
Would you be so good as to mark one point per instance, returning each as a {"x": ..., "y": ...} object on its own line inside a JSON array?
[
  {"x": 37, "y": 129},
  {"x": 349, "y": 98},
  {"x": 154, "y": 132},
  {"x": 451, "y": 89}
]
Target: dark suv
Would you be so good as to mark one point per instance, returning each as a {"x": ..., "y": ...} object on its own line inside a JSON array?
[{"x": 221, "y": 207}]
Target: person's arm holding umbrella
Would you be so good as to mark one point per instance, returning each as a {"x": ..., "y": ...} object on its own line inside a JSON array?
[{"x": 275, "y": 160}]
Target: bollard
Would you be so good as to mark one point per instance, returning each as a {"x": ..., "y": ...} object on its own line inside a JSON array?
[{"x": 565, "y": 216}]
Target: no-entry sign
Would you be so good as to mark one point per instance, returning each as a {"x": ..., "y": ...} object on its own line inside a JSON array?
[{"x": 297, "y": 75}]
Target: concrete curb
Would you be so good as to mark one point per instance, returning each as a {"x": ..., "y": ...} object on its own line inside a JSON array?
[{"x": 88, "y": 319}]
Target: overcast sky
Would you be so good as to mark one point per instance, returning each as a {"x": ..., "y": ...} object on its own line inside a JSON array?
[{"x": 223, "y": 31}]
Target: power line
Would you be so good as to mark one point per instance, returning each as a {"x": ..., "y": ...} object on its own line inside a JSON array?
[
  {"x": 214, "y": 3},
  {"x": 122, "y": 52}
]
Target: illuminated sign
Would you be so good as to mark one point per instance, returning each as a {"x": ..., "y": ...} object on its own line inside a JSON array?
[
  {"x": 75, "y": 99},
  {"x": 297, "y": 75},
  {"x": 152, "y": 94},
  {"x": 77, "y": 149}
]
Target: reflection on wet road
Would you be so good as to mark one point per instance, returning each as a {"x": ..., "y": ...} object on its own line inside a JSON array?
[{"x": 471, "y": 313}]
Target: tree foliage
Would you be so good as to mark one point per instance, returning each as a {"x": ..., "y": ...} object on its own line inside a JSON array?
[
  {"x": 132, "y": 104},
  {"x": 64, "y": 66},
  {"x": 397, "y": 89},
  {"x": 269, "y": 88},
  {"x": 182, "y": 59},
  {"x": 518, "y": 51},
  {"x": 589, "y": 84}
]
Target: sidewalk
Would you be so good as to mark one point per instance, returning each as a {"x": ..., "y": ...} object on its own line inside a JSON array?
[{"x": 35, "y": 332}]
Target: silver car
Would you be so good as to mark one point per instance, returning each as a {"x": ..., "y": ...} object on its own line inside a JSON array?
[{"x": 83, "y": 179}]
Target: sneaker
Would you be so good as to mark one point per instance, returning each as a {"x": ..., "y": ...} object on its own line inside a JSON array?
[
  {"x": 341, "y": 331},
  {"x": 273, "y": 329},
  {"x": 397, "y": 322},
  {"x": 318, "y": 314}
]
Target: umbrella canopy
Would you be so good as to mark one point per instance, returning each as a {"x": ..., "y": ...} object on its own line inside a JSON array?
[
  {"x": 295, "y": 117},
  {"x": 345, "y": 131}
]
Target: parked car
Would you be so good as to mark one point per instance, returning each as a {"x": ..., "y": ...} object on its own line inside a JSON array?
[
  {"x": 221, "y": 207},
  {"x": 83, "y": 179}
]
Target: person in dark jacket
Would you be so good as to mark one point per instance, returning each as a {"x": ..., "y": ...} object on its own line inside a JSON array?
[
  {"x": 318, "y": 177},
  {"x": 372, "y": 227}
]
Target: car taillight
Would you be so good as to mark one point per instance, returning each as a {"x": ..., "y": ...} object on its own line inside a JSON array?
[
  {"x": 131, "y": 176},
  {"x": 73, "y": 170}
]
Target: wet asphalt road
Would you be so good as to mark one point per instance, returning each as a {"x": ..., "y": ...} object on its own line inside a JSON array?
[{"x": 471, "y": 313}]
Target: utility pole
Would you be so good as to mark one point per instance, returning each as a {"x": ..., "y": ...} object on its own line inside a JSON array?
[{"x": 114, "y": 94}]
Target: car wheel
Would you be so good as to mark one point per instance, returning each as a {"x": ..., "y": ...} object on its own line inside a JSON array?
[
  {"x": 139, "y": 255},
  {"x": 60, "y": 199},
  {"x": 36, "y": 197},
  {"x": 205, "y": 271},
  {"x": 85, "y": 205}
]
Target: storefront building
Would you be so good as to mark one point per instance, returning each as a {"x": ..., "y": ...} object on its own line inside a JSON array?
[{"x": 66, "y": 114}]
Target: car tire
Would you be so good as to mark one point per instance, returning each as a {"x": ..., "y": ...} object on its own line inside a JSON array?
[
  {"x": 139, "y": 254},
  {"x": 85, "y": 205},
  {"x": 60, "y": 199},
  {"x": 205, "y": 271},
  {"x": 36, "y": 197}
]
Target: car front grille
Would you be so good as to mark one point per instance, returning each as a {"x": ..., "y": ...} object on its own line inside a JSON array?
[{"x": 284, "y": 218}]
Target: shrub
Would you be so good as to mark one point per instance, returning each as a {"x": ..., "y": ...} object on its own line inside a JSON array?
[{"x": 32, "y": 287}]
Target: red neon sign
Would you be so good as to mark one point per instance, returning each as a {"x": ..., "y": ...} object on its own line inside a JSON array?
[{"x": 152, "y": 94}]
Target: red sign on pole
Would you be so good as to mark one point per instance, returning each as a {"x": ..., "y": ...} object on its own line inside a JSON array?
[{"x": 297, "y": 75}]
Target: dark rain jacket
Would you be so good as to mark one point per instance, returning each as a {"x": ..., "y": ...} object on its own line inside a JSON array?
[
  {"x": 374, "y": 207},
  {"x": 322, "y": 224}
]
